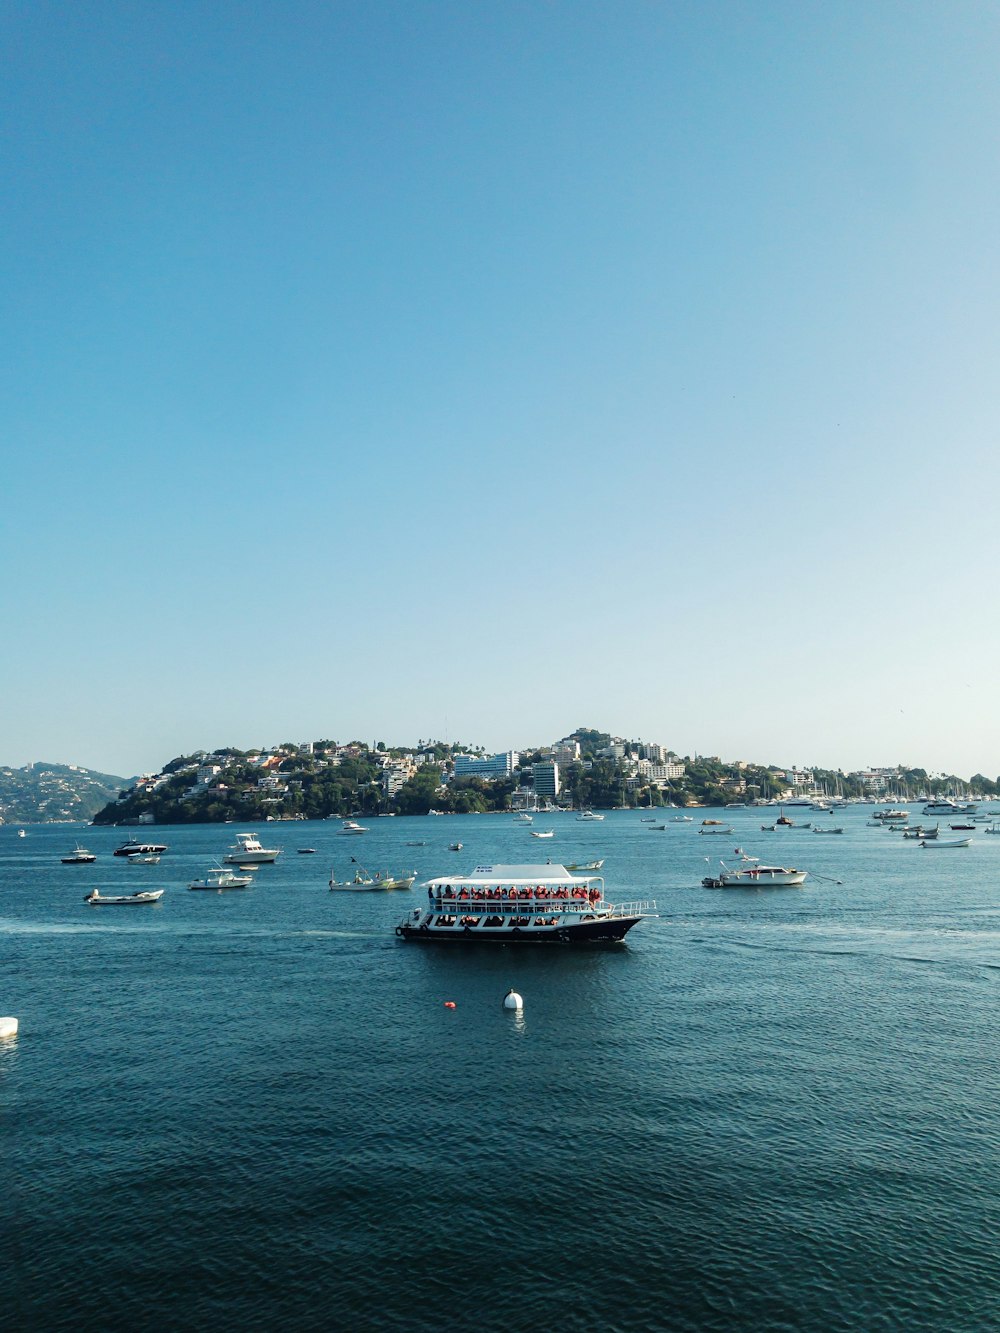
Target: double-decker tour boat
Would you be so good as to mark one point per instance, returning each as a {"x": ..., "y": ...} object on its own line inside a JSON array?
[{"x": 521, "y": 904}]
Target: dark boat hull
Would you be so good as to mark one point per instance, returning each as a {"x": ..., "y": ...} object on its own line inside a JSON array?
[{"x": 585, "y": 932}]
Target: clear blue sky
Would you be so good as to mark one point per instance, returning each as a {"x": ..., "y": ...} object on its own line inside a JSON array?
[{"x": 486, "y": 370}]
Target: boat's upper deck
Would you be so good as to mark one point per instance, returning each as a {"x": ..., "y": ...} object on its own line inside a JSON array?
[{"x": 517, "y": 877}]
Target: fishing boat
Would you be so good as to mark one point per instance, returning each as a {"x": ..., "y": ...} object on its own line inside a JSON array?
[
  {"x": 79, "y": 857},
  {"x": 221, "y": 878},
  {"x": 828, "y": 830},
  {"x": 945, "y": 842},
  {"x": 247, "y": 851},
  {"x": 591, "y": 867},
  {"x": 379, "y": 882},
  {"x": 657, "y": 828},
  {"x": 588, "y": 817},
  {"x": 454, "y": 846},
  {"x": 521, "y": 904},
  {"x": 750, "y": 874},
  {"x": 97, "y": 899},
  {"x": 723, "y": 829}
]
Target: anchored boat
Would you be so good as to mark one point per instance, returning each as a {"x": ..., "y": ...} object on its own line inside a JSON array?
[
  {"x": 97, "y": 899},
  {"x": 247, "y": 851},
  {"x": 752, "y": 875},
  {"x": 521, "y": 904}
]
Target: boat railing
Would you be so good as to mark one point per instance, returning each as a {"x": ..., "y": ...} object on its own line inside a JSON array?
[
  {"x": 540, "y": 907},
  {"x": 641, "y": 907},
  {"x": 516, "y": 906}
]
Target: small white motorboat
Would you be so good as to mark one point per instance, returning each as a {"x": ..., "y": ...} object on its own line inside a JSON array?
[
  {"x": 551, "y": 833},
  {"x": 590, "y": 867},
  {"x": 828, "y": 830},
  {"x": 144, "y": 859},
  {"x": 752, "y": 875},
  {"x": 97, "y": 899},
  {"x": 588, "y": 817},
  {"x": 457, "y": 846},
  {"x": 945, "y": 842}
]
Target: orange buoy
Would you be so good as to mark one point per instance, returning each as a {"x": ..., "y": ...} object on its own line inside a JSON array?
[{"x": 449, "y": 1004}]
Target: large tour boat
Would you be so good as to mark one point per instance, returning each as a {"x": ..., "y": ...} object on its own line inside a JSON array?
[{"x": 521, "y": 904}]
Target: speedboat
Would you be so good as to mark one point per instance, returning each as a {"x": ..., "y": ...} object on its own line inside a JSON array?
[
  {"x": 520, "y": 904},
  {"x": 80, "y": 857},
  {"x": 457, "y": 846},
  {"x": 522, "y": 819},
  {"x": 134, "y": 848},
  {"x": 550, "y": 834},
  {"x": 349, "y": 827},
  {"x": 723, "y": 829},
  {"x": 247, "y": 851},
  {"x": 588, "y": 817},
  {"x": 97, "y": 899},
  {"x": 144, "y": 859},
  {"x": 221, "y": 878}
]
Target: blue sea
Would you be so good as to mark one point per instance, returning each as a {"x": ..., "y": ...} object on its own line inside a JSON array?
[{"x": 768, "y": 1110}]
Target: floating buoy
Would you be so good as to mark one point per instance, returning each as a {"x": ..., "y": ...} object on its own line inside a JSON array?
[
  {"x": 449, "y": 1004},
  {"x": 512, "y": 1000},
  {"x": 8, "y": 1027}
]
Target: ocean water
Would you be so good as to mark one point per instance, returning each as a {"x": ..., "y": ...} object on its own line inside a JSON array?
[{"x": 772, "y": 1109}]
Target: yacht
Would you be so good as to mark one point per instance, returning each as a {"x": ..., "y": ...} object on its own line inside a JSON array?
[
  {"x": 521, "y": 904},
  {"x": 349, "y": 828},
  {"x": 588, "y": 817},
  {"x": 523, "y": 818},
  {"x": 947, "y": 807},
  {"x": 247, "y": 851},
  {"x": 132, "y": 847},
  {"x": 79, "y": 857}
]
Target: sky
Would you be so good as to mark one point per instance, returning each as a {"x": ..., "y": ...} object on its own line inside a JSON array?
[{"x": 394, "y": 370}]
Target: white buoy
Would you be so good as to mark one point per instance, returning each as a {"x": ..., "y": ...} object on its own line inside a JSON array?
[
  {"x": 8, "y": 1027},
  {"x": 512, "y": 1000}
]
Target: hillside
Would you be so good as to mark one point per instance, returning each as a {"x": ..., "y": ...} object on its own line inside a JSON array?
[{"x": 49, "y": 793}]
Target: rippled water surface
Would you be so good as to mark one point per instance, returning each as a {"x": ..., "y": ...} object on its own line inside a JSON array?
[{"x": 772, "y": 1110}]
